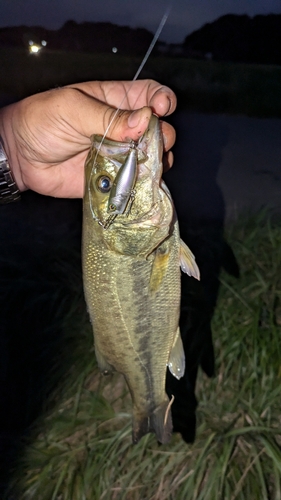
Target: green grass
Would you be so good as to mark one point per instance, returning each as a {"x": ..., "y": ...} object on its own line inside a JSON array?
[
  {"x": 202, "y": 86},
  {"x": 82, "y": 449}
]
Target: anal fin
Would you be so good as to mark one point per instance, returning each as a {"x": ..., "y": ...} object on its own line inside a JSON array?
[{"x": 176, "y": 361}]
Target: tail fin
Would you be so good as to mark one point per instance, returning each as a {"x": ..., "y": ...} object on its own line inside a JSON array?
[{"x": 159, "y": 421}]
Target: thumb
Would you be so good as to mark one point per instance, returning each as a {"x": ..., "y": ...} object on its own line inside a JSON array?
[
  {"x": 92, "y": 116},
  {"x": 123, "y": 125}
]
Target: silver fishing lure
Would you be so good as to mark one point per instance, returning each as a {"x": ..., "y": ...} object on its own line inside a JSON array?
[
  {"x": 125, "y": 157},
  {"x": 122, "y": 191}
]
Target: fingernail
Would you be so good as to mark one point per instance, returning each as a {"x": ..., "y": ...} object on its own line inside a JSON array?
[
  {"x": 134, "y": 118},
  {"x": 170, "y": 105},
  {"x": 167, "y": 92}
]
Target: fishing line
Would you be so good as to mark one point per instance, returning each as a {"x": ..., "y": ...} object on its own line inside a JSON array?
[
  {"x": 148, "y": 52},
  {"x": 155, "y": 38}
]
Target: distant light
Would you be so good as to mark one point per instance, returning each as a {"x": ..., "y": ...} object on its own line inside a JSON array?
[
  {"x": 114, "y": 50},
  {"x": 30, "y": 42},
  {"x": 44, "y": 43},
  {"x": 34, "y": 49}
]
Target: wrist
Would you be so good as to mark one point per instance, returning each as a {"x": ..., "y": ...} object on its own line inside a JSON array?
[
  {"x": 9, "y": 191},
  {"x": 8, "y": 148}
]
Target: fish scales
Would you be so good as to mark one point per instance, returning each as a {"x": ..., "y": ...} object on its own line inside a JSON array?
[
  {"x": 130, "y": 318},
  {"x": 132, "y": 280}
]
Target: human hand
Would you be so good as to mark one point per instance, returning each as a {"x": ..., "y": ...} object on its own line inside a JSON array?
[{"x": 47, "y": 135}]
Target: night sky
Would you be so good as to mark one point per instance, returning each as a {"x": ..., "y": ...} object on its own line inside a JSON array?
[{"x": 185, "y": 17}]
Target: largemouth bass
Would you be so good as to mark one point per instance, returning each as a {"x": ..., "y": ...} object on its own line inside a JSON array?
[{"x": 132, "y": 254}]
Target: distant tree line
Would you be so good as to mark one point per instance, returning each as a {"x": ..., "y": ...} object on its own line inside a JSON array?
[
  {"x": 84, "y": 37},
  {"x": 229, "y": 38},
  {"x": 239, "y": 39}
]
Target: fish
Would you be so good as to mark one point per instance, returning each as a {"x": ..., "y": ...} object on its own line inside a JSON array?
[{"x": 131, "y": 258}]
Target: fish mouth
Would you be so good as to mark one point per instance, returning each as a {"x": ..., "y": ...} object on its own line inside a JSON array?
[
  {"x": 136, "y": 196},
  {"x": 159, "y": 213},
  {"x": 151, "y": 140},
  {"x": 154, "y": 218}
]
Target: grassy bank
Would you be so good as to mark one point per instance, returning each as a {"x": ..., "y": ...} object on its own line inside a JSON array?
[
  {"x": 82, "y": 449},
  {"x": 202, "y": 86}
]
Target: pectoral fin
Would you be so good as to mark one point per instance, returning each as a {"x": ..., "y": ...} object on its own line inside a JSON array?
[
  {"x": 187, "y": 261},
  {"x": 176, "y": 362},
  {"x": 159, "y": 268}
]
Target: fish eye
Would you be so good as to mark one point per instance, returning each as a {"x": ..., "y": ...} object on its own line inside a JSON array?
[{"x": 104, "y": 184}]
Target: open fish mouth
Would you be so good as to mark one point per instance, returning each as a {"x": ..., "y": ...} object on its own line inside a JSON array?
[{"x": 117, "y": 151}]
